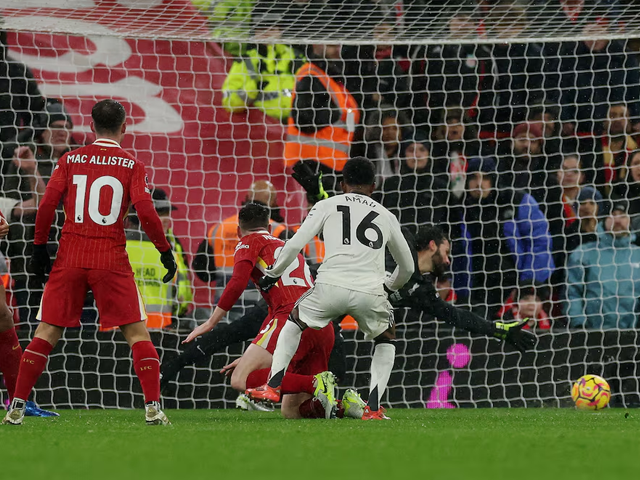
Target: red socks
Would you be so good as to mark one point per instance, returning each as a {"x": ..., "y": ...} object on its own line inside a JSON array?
[
  {"x": 10, "y": 354},
  {"x": 291, "y": 383},
  {"x": 146, "y": 363},
  {"x": 34, "y": 360},
  {"x": 295, "y": 383}
]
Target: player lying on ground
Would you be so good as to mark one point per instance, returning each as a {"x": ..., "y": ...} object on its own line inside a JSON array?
[
  {"x": 351, "y": 280},
  {"x": 255, "y": 251},
  {"x": 10, "y": 350},
  {"x": 430, "y": 249},
  {"x": 98, "y": 178},
  {"x": 244, "y": 328}
]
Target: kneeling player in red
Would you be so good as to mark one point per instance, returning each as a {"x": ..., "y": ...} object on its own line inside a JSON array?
[
  {"x": 97, "y": 183},
  {"x": 257, "y": 249}
]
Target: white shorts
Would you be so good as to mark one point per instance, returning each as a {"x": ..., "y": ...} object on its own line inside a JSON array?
[{"x": 323, "y": 303}]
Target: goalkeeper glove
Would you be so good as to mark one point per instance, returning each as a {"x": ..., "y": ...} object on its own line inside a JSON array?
[
  {"x": 312, "y": 183},
  {"x": 169, "y": 262},
  {"x": 266, "y": 282},
  {"x": 40, "y": 262},
  {"x": 513, "y": 333}
]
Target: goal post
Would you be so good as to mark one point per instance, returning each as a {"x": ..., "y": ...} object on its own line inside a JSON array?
[{"x": 541, "y": 99}]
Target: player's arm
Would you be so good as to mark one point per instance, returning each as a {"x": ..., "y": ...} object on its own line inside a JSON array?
[
  {"x": 425, "y": 297},
  {"x": 401, "y": 253},
  {"x": 311, "y": 182},
  {"x": 311, "y": 227},
  {"x": 236, "y": 285},
  {"x": 40, "y": 262},
  {"x": 150, "y": 221}
]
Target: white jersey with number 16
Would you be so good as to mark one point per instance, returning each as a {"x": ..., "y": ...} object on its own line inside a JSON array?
[{"x": 356, "y": 229}]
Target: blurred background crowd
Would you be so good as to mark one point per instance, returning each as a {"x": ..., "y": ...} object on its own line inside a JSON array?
[{"x": 527, "y": 151}]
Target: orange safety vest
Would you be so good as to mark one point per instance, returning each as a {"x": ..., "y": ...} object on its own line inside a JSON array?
[
  {"x": 223, "y": 238},
  {"x": 313, "y": 251},
  {"x": 330, "y": 145}
]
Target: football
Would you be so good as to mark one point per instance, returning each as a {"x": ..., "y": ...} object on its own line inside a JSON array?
[{"x": 591, "y": 393}]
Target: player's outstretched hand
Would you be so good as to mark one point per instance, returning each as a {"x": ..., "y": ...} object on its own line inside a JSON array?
[
  {"x": 40, "y": 262},
  {"x": 513, "y": 333},
  {"x": 311, "y": 182},
  {"x": 199, "y": 330},
  {"x": 265, "y": 283},
  {"x": 169, "y": 262}
]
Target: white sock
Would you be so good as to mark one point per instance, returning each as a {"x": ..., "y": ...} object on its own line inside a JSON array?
[
  {"x": 286, "y": 347},
  {"x": 384, "y": 355}
]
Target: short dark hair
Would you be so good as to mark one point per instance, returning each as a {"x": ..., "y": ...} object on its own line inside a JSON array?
[
  {"x": 253, "y": 216},
  {"x": 359, "y": 171},
  {"x": 108, "y": 116},
  {"x": 427, "y": 233}
]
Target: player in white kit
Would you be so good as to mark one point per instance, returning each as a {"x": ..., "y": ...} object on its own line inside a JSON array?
[{"x": 351, "y": 279}]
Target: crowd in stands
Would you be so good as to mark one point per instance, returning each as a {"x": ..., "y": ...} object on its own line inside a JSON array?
[
  {"x": 527, "y": 151},
  {"x": 522, "y": 148}
]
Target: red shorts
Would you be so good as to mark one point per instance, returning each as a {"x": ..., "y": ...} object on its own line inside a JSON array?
[
  {"x": 315, "y": 346},
  {"x": 270, "y": 330},
  {"x": 314, "y": 351},
  {"x": 117, "y": 297}
]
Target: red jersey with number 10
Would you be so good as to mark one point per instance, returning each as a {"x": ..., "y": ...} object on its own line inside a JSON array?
[
  {"x": 261, "y": 249},
  {"x": 98, "y": 182}
]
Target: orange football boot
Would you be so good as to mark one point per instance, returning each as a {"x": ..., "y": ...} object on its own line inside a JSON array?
[
  {"x": 374, "y": 415},
  {"x": 264, "y": 393}
]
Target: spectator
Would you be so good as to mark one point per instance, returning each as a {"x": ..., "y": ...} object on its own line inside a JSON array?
[
  {"x": 228, "y": 19},
  {"x": 595, "y": 74},
  {"x": 29, "y": 171},
  {"x": 570, "y": 178},
  {"x": 454, "y": 142},
  {"x": 19, "y": 101},
  {"x": 515, "y": 76},
  {"x": 522, "y": 164},
  {"x": 415, "y": 195},
  {"x": 213, "y": 261},
  {"x": 527, "y": 302},
  {"x": 384, "y": 71},
  {"x": 448, "y": 74},
  {"x": 603, "y": 278},
  {"x": 569, "y": 17},
  {"x": 324, "y": 115},
  {"x": 503, "y": 239},
  {"x": 583, "y": 228},
  {"x": 548, "y": 117},
  {"x": 264, "y": 75},
  {"x": 384, "y": 136},
  {"x": 522, "y": 167},
  {"x": 629, "y": 190},
  {"x": 164, "y": 302},
  {"x": 591, "y": 208},
  {"x": 614, "y": 147},
  {"x": 50, "y": 139}
]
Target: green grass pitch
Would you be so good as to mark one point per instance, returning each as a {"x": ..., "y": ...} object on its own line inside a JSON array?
[{"x": 225, "y": 444}]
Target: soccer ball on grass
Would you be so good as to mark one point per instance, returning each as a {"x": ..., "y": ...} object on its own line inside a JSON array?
[{"x": 591, "y": 393}]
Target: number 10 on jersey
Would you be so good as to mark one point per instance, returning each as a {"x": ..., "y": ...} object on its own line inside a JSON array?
[{"x": 80, "y": 181}]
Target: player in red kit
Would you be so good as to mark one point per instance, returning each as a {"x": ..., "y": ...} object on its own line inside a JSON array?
[
  {"x": 97, "y": 183},
  {"x": 308, "y": 377},
  {"x": 10, "y": 349}
]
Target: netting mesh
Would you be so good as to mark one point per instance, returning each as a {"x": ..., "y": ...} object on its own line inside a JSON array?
[{"x": 514, "y": 124}]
